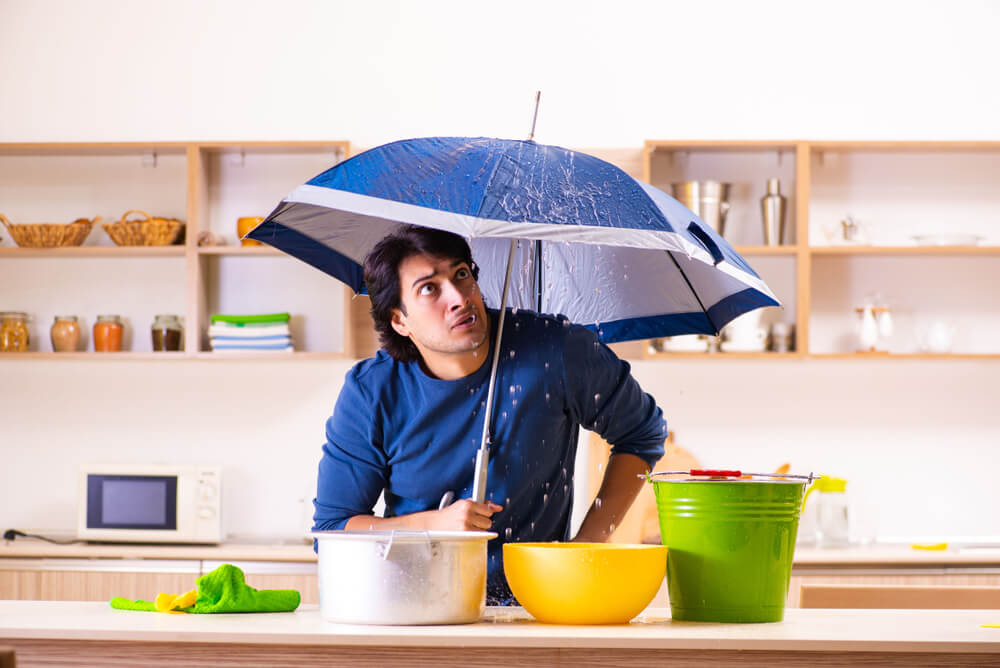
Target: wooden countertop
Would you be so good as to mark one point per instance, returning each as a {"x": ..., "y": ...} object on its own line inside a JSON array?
[
  {"x": 300, "y": 551},
  {"x": 803, "y": 630}
]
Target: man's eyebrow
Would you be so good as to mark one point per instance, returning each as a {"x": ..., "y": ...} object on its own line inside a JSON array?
[{"x": 433, "y": 274}]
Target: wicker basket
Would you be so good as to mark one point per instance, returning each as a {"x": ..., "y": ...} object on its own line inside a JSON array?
[
  {"x": 49, "y": 235},
  {"x": 147, "y": 232}
]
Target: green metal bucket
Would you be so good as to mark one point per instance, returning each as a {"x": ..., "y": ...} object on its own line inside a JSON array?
[{"x": 730, "y": 546}]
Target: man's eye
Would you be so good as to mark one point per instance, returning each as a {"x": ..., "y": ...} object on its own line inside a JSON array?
[
  {"x": 425, "y": 289},
  {"x": 462, "y": 273}
]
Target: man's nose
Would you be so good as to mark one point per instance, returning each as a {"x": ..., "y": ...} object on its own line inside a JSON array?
[{"x": 456, "y": 298}]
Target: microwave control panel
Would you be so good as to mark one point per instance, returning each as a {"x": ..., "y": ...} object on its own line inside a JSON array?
[{"x": 208, "y": 509}]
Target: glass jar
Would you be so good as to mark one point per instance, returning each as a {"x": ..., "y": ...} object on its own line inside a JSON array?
[
  {"x": 167, "y": 333},
  {"x": 108, "y": 334},
  {"x": 65, "y": 334},
  {"x": 13, "y": 332}
]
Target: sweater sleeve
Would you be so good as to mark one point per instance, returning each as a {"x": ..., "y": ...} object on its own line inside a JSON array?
[
  {"x": 604, "y": 397},
  {"x": 353, "y": 467}
]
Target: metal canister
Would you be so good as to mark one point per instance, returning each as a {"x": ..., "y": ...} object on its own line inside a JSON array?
[
  {"x": 709, "y": 200},
  {"x": 402, "y": 577}
]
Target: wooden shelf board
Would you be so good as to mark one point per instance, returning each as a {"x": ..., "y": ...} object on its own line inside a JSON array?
[
  {"x": 721, "y": 355},
  {"x": 285, "y": 147},
  {"x": 767, "y": 250},
  {"x": 906, "y": 146},
  {"x": 904, "y": 250},
  {"x": 92, "y": 148},
  {"x": 296, "y": 355},
  {"x": 905, "y": 356},
  {"x": 718, "y": 146},
  {"x": 90, "y": 355},
  {"x": 240, "y": 250},
  {"x": 95, "y": 251}
]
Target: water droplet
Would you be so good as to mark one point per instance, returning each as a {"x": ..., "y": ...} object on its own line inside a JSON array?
[
  {"x": 597, "y": 502},
  {"x": 512, "y": 354},
  {"x": 565, "y": 489},
  {"x": 508, "y": 501},
  {"x": 517, "y": 326},
  {"x": 611, "y": 528},
  {"x": 547, "y": 397},
  {"x": 564, "y": 473},
  {"x": 545, "y": 498},
  {"x": 597, "y": 398},
  {"x": 512, "y": 389},
  {"x": 504, "y": 415},
  {"x": 507, "y": 534},
  {"x": 546, "y": 366},
  {"x": 514, "y": 402},
  {"x": 532, "y": 526},
  {"x": 513, "y": 311}
]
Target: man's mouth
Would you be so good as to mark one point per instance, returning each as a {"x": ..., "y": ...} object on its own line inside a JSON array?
[{"x": 465, "y": 321}]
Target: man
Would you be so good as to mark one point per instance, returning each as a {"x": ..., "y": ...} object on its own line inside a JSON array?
[{"x": 409, "y": 421}]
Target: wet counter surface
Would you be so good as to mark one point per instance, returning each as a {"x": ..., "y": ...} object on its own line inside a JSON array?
[{"x": 66, "y": 632}]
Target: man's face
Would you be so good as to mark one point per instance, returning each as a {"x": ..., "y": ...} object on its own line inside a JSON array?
[{"x": 444, "y": 310}]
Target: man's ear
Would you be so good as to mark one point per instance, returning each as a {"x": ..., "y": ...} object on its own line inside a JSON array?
[{"x": 398, "y": 323}]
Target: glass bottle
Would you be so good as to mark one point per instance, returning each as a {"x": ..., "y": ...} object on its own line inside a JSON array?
[
  {"x": 108, "y": 334},
  {"x": 13, "y": 332},
  {"x": 65, "y": 334},
  {"x": 167, "y": 333}
]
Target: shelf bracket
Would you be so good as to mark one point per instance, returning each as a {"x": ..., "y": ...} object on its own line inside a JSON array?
[
  {"x": 238, "y": 160},
  {"x": 149, "y": 159}
]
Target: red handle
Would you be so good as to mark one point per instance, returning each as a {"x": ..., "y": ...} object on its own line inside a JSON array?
[{"x": 717, "y": 473}]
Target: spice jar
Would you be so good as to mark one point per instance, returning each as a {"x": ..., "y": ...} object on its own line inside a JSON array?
[
  {"x": 65, "y": 334},
  {"x": 13, "y": 332},
  {"x": 166, "y": 333},
  {"x": 108, "y": 334}
]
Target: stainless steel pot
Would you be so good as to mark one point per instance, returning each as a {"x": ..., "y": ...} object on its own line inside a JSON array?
[{"x": 402, "y": 577}]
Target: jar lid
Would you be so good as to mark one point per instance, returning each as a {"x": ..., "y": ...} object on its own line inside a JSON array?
[
  {"x": 70, "y": 318},
  {"x": 13, "y": 314},
  {"x": 166, "y": 316},
  {"x": 108, "y": 318}
]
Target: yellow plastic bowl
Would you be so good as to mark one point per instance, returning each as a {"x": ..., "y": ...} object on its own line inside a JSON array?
[{"x": 584, "y": 583}]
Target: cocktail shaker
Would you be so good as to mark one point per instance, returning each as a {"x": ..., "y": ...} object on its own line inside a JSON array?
[{"x": 772, "y": 211}]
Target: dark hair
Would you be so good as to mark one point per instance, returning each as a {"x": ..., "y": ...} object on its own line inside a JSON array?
[{"x": 382, "y": 277}]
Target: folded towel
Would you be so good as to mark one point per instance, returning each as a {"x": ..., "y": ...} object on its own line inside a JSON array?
[
  {"x": 223, "y": 329},
  {"x": 268, "y": 318},
  {"x": 251, "y": 340},
  {"x": 285, "y": 344},
  {"x": 222, "y": 590},
  {"x": 253, "y": 351}
]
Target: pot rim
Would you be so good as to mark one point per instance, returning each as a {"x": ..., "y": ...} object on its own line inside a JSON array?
[{"x": 402, "y": 536}]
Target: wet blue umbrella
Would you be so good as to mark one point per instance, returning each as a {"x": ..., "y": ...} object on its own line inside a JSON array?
[{"x": 586, "y": 239}]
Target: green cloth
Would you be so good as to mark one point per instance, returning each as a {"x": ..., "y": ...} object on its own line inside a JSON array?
[
  {"x": 264, "y": 318},
  {"x": 225, "y": 590}
]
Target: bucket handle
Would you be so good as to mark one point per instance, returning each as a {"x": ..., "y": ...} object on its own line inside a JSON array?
[{"x": 385, "y": 548}]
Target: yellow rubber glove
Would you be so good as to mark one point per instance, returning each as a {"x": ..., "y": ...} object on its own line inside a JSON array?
[{"x": 171, "y": 602}]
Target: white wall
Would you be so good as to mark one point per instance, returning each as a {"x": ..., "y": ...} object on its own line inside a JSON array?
[{"x": 916, "y": 439}]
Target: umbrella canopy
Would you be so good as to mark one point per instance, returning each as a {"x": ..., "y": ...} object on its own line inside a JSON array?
[
  {"x": 591, "y": 243},
  {"x": 597, "y": 246}
]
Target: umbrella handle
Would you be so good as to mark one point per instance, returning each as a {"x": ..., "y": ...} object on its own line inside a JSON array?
[{"x": 706, "y": 241}]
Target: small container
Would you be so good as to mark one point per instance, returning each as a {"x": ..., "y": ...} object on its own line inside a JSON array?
[
  {"x": 167, "y": 333},
  {"x": 108, "y": 334},
  {"x": 65, "y": 334},
  {"x": 13, "y": 332},
  {"x": 832, "y": 527}
]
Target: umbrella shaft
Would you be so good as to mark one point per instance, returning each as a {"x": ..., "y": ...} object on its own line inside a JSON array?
[{"x": 482, "y": 457}]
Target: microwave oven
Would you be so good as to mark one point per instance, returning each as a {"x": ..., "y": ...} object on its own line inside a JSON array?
[{"x": 150, "y": 504}]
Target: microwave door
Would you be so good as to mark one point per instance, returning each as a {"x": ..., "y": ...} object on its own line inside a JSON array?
[{"x": 131, "y": 507}]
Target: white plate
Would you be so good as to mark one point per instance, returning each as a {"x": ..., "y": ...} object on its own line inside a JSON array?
[
  {"x": 734, "y": 347},
  {"x": 947, "y": 239}
]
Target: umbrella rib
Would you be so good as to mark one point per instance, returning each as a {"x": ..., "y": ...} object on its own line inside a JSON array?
[{"x": 691, "y": 287}]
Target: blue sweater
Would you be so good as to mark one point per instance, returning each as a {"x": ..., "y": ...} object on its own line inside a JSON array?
[{"x": 395, "y": 428}]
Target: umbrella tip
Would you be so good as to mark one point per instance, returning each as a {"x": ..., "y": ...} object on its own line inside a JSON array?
[{"x": 531, "y": 135}]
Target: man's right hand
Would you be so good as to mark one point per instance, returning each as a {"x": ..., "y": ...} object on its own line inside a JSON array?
[{"x": 462, "y": 515}]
